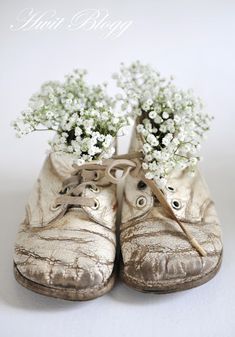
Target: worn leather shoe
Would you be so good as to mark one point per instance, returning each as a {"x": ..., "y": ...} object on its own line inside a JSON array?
[
  {"x": 66, "y": 245},
  {"x": 170, "y": 238}
]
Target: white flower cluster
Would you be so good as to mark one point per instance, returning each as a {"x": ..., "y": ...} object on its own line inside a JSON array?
[
  {"x": 83, "y": 117},
  {"x": 169, "y": 121}
]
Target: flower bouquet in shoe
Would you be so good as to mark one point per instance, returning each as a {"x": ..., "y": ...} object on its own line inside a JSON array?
[
  {"x": 170, "y": 236},
  {"x": 170, "y": 121},
  {"x": 83, "y": 117},
  {"x": 66, "y": 245}
]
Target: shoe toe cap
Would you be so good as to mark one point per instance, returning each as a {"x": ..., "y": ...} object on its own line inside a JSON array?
[
  {"x": 72, "y": 257},
  {"x": 163, "y": 260}
]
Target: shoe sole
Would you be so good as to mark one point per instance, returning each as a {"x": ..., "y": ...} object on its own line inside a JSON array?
[
  {"x": 169, "y": 289},
  {"x": 70, "y": 294}
]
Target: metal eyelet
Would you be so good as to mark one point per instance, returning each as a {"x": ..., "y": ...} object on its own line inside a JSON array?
[
  {"x": 141, "y": 185},
  {"x": 67, "y": 190},
  {"x": 170, "y": 189},
  {"x": 96, "y": 176},
  {"x": 141, "y": 202},
  {"x": 54, "y": 207},
  {"x": 176, "y": 204},
  {"x": 96, "y": 204},
  {"x": 95, "y": 190}
]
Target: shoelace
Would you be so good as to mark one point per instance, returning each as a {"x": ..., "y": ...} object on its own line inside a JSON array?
[{"x": 73, "y": 188}]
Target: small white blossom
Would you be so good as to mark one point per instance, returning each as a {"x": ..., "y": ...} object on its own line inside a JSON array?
[
  {"x": 165, "y": 115},
  {"x": 147, "y": 148},
  {"x": 152, "y": 114},
  {"x": 139, "y": 128},
  {"x": 158, "y": 119},
  {"x": 80, "y": 161},
  {"x": 152, "y": 140},
  {"x": 149, "y": 175},
  {"x": 145, "y": 166}
]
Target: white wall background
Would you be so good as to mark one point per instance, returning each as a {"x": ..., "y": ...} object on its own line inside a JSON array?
[{"x": 194, "y": 40}]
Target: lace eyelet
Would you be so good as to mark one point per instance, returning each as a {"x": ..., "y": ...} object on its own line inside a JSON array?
[
  {"x": 96, "y": 204},
  {"x": 170, "y": 189},
  {"x": 176, "y": 204},
  {"x": 54, "y": 207},
  {"x": 141, "y": 202},
  {"x": 96, "y": 176},
  {"x": 65, "y": 190},
  {"x": 95, "y": 190},
  {"x": 141, "y": 185}
]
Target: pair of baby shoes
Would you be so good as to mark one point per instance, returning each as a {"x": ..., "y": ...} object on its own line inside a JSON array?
[{"x": 169, "y": 232}]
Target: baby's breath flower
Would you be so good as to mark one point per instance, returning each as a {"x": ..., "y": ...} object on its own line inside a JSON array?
[
  {"x": 170, "y": 121},
  {"x": 152, "y": 114},
  {"x": 82, "y": 116}
]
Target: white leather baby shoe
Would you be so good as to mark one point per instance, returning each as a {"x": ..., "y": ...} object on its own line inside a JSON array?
[
  {"x": 66, "y": 245},
  {"x": 170, "y": 233},
  {"x": 170, "y": 238}
]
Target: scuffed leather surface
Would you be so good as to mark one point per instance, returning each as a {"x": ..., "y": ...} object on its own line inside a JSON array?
[
  {"x": 156, "y": 253},
  {"x": 76, "y": 249}
]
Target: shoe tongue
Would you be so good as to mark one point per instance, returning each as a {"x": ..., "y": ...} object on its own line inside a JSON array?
[
  {"x": 136, "y": 141},
  {"x": 62, "y": 163}
]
